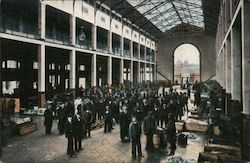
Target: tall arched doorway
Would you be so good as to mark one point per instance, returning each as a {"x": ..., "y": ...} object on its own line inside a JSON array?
[{"x": 186, "y": 64}]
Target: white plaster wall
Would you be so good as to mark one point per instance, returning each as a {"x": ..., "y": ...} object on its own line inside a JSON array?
[
  {"x": 148, "y": 41},
  {"x": 127, "y": 32},
  {"x": 66, "y": 6},
  {"x": 135, "y": 37},
  {"x": 152, "y": 45},
  {"x": 142, "y": 40},
  {"x": 116, "y": 27},
  {"x": 205, "y": 44},
  {"x": 85, "y": 11},
  {"x": 102, "y": 20}
]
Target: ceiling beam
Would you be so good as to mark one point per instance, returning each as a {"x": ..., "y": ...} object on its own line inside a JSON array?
[
  {"x": 168, "y": 10},
  {"x": 155, "y": 7},
  {"x": 116, "y": 4},
  {"x": 133, "y": 8},
  {"x": 177, "y": 12}
]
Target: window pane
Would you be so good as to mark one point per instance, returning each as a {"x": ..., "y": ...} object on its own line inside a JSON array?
[
  {"x": 11, "y": 64},
  {"x": 35, "y": 65},
  {"x": 3, "y": 64}
]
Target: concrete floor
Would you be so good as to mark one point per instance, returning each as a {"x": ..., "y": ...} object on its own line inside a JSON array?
[{"x": 100, "y": 148}]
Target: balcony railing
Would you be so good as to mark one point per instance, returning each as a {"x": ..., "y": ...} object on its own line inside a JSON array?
[
  {"x": 136, "y": 56},
  {"x": 58, "y": 37},
  {"x": 126, "y": 53},
  {"x": 142, "y": 57},
  {"x": 13, "y": 27},
  {"x": 117, "y": 51},
  {"x": 102, "y": 48},
  {"x": 86, "y": 44}
]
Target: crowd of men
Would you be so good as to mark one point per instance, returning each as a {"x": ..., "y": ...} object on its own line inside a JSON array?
[{"x": 130, "y": 106}]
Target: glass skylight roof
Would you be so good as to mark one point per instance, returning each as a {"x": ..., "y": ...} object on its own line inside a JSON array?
[{"x": 166, "y": 14}]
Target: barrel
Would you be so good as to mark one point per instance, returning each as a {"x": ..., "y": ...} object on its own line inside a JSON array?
[
  {"x": 156, "y": 141},
  {"x": 182, "y": 139},
  {"x": 163, "y": 138}
]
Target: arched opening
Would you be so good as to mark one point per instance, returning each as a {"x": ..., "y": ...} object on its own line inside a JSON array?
[{"x": 186, "y": 64}]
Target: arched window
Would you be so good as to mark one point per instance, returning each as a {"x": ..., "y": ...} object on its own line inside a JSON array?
[{"x": 186, "y": 64}]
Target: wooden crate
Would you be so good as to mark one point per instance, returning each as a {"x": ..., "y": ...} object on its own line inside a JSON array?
[
  {"x": 27, "y": 128},
  {"x": 196, "y": 127},
  {"x": 198, "y": 117},
  {"x": 229, "y": 150},
  {"x": 217, "y": 157}
]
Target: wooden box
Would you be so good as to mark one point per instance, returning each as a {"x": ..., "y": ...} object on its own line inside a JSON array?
[
  {"x": 196, "y": 127},
  {"x": 27, "y": 128}
]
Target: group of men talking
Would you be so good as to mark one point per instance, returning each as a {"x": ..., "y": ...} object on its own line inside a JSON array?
[{"x": 132, "y": 107}]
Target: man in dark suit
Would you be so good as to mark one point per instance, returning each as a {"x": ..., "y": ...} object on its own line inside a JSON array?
[
  {"x": 149, "y": 127},
  {"x": 62, "y": 118},
  {"x": 77, "y": 123},
  {"x": 70, "y": 135},
  {"x": 124, "y": 123},
  {"x": 48, "y": 119},
  {"x": 88, "y": 118},
  {"x": 171, "y": 134},
  {"x": 107, "y": 120},
  {"x": 135, "y": 135}
]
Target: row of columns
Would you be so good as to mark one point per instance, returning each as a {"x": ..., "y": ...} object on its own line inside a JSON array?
[
  {"x": 41, "y": 57},
  {"x": 245, "y": 148},
  {"x": 233, "y": 68},
  {"x": 72, "y": 74},
  {"x": 230, "y": 62}
]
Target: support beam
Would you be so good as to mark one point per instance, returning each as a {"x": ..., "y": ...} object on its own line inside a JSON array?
[
  {"x": 109, "y": 76},
  {"x": 139, "y": 51},
  {"x": 110, "y": 42},
  {"x": 177, "y": 12},
  {"x": 139, "y": 72},
  {"x": 121, "y": 70},
  {"x": 131, "y": 49},
  {"x": 236, "y": 65},
  {"x": 228, "y": 66},
  {"x": 223, "y": 63},
  {"x": 151, "y": 73},
  {"x": 93, "y": 70},
  {"x": 94, "y": 36},
  {"x": 131, "y": 71},
  {"x": 245, "y": 146},
  {"x": 72, "y": 30},
  {"x": 41, "y": 20},
  {"x": 145, "y": 72},
  {"x": 122, "y": 45},
  {"x": 72, "y": 73},
  {"x": 41, "y": 76}
]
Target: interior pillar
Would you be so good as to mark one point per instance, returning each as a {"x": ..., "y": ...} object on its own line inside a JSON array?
[
  {"x": 41, "y": 19},
  {"x": 109, "y": 76},
  {"x": 121, "y": 70},
  {"x": 41, "y": 76},
  {"x": 131, "y": 71},
  {"x": 72, "y": 73},
  {"x": 236, "y": 65},
  {"x": 245, "y": 147},
  {"x": 93, "y": 70}
]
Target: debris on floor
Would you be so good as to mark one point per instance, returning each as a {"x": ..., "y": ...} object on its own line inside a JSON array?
[{"x": 178, "y": 159}]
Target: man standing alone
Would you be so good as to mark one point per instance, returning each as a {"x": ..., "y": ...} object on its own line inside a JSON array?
[
  {"x": 48, "y": 119},
  {"x": 135, "y": 135},
  {"x": 149, "y": 127},
  {"x": 88, "y": 118}
]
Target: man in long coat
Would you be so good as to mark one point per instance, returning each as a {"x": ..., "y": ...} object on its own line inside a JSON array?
[{"x": 48, "y": 119}]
